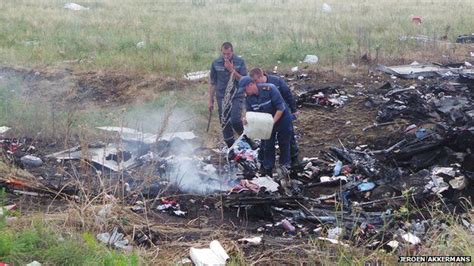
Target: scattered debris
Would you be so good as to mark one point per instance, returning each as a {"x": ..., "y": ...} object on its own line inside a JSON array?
[
  {"x": 393, "y": 244},
  {"x": 415, "y": 70},
  {"x": 214, "y": 255},
  {"x": 197, "y": 75},
  {"x": 326, "y": 8},
  {"x": 416, "y": 20},
  {"x": 327, "y": 96},
  {"x": 4, "y": 129},
  {"x": 412, "y": 239},
  {"x": 115, "y": 239},
  {"x": 30, "y": 161},
  {"x": 7, "y": 208},
  {"x": 252, "y": 241},
  {"x": 311, "y": 59},
  {"x": 141, "y": 45},
  {"x": 468, "y": 38},
  {"x": 334, "y": 241},
  {"x": 74, "y": 6}
]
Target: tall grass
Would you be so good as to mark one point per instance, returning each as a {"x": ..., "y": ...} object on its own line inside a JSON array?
[{"x": 181, "y": 36}]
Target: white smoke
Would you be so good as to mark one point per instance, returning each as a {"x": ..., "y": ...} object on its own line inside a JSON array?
[
  {"x": 186, "y": 169},
  {"x": 191, "y": 174}
]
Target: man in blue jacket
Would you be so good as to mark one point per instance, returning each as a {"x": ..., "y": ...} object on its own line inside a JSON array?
[
  {"x": 224, "y": 68},
  {"x": 265, "y": 98},
  {"x": 259, "y": 76}
]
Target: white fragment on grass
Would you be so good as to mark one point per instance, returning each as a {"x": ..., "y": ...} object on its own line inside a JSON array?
[
  {"x": 326, "y": 8},
  {"x": 335, "y": 233},
  {"x": 411, "y": 238},
  {"x": 141, "y": 45},
  {"x": 197, "y": 75},
  {"x": 294, "y": 69},
  {"x": 34, "y": 263},
  {"x": 334, "y": 241},
  {"x": 214, "y": 255},
  {"x": 311, "y": 59},
  {"x": 393, "y": 244},
  {"x": 179, "y": 213},
  {"x": 75, "y": 7},
  {"x": 4, "y": 129},
  {"x": 252, "y": 241},
  {"x": 115, "y": 239}
]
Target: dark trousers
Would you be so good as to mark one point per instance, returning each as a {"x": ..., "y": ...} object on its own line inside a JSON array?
[
  {"x": 231, "y": 119},
  {"x": 294, "y": 151},
  {"x": 283, "y": 132}
]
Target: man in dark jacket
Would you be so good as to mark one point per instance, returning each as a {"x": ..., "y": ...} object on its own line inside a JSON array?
[
  {"x": 229, "y": 99},
  {"x": 259, "y": 76},
  {"x": 265, "y": 98}
]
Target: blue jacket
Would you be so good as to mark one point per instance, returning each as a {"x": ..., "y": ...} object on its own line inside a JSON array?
[
  {"x": 268, "y": 100},
  {"x": 285, "y": 91},
  {"x": 219, "y": 76}
]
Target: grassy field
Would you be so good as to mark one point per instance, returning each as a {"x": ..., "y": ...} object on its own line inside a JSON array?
[{"x": 180, "y": 37}]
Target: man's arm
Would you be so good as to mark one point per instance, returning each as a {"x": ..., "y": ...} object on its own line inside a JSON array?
[
  {"x": 278, "y": 103},
  {"x": 242, "y": 72},
  {"x": 212, "y": 87},
  {"x": 237, "y": 74},
  {"x": 277, "y": 116},
  {"x": 287, "y": 95}
]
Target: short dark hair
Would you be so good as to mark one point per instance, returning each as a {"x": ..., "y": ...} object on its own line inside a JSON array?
[
  {"x": 227, "y": 45},
  {"x": 256, "y": 72}
]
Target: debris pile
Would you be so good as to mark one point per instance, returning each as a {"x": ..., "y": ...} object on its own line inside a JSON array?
[{"x": 327, "y": 96}]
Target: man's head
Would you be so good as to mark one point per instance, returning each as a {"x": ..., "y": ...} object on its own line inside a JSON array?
[
  {"x": 258, "y": 75},
  {"x": 248, "y": 85},
  {"x": 227, "y": 50}
]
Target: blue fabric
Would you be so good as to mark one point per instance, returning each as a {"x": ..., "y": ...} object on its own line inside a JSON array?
[
  {"x": 219, "y": 76},
  {"x": 282, "y": 132},
  {"x": 284, "y": 90}
]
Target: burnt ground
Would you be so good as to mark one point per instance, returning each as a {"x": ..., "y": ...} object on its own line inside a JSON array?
[
  {"x": 82, "y": 89},
  {"x": 321, "y": 127}
]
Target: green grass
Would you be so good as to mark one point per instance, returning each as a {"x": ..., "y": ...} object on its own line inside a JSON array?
[
  {"x": 181, "y": 37},
  {"x": 19, "y": 247}
]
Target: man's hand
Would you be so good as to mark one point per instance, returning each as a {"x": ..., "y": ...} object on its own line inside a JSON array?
[
  {"x": 211, "y": 105},
  {"x": 229, "y": 66},
  {"x": 244, "y": 120},
  {"x": 277, "y": 116}
]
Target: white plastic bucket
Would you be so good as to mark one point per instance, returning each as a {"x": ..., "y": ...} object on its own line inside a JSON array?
[{"x": 259, "y": 125}]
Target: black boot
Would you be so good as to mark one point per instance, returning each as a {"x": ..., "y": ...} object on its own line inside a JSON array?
[{"x": 265, "y": 172}]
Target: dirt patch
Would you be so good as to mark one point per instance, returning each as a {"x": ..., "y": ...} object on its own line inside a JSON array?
[
  {"x": 321, "y": 127},
  {"x": 81, "y": 89}
]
